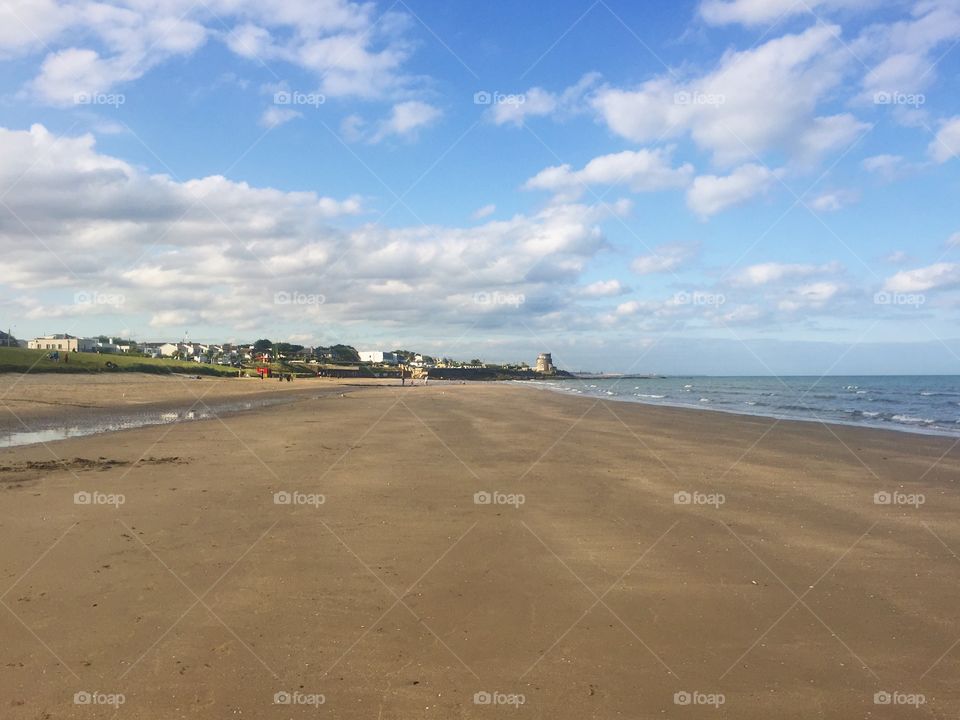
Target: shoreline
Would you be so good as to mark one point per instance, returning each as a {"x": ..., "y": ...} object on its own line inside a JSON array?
[
  {"x": 42, "y": 418},
  {"x": 910, "y": 429}
]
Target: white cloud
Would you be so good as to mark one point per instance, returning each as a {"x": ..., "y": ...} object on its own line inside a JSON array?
[
  {"x": 249, "y": 41},
  {"x": 166, "y": 319},
  {"x": 766, "y": 273},
  {"x": 931, "y": 277},
  {"x": 765, "y": 12},
  {"x": 484, "y": 212},
  {"x": 906, "y": 52},
  {"x": 946, "y": 145},
  {"x": 604, "y": 288},
  {"x": 633, "y": 307},
  {"x": 812, "y": 295},
  {"x": 352, "y": 128},
  {"x": 205, "y": 251},
  {"x": 742, "y": 314},
  {"x": 131, "y": 44},
  {"x": 887, "y": 166},
  {"x": 664, "y": 258},
  {"x": 756, "y": 100},
  {"x": 93, "y": 47},
  {"x": 406, "y": 119},
  {"x": 275, "y": 116},
  {"x": 515, "y": 108},
  {"x": 641, "y": 170},
  {"x": 710, "y": 194},
  {"x": 27, "y": 24},
  {"x": 897, "y": 257},
  {"x": 829, "y": 134},
  {"x": 834, "y": 200}
]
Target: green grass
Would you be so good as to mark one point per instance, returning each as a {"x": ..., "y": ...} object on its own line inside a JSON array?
[{"x": 34, "y": 361}]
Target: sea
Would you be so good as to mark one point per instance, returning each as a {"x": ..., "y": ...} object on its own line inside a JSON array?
[{"x": 909, "y": 403}]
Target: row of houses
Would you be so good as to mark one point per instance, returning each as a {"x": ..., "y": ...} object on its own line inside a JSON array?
[
  {"x": 199, "y": 352},
  {"x": 383, "y": 357}
]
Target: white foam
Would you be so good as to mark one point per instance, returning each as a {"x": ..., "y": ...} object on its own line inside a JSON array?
[{"x": 910, "y": 419}]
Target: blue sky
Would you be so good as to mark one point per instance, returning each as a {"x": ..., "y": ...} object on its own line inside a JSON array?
[{"x": 725, "y": 186}]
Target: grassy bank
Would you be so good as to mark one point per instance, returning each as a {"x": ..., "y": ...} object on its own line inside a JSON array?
[{"x": 34, "y": 361}]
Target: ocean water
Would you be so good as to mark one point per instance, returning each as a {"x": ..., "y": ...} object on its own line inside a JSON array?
[{"x": 911, "y": 403}]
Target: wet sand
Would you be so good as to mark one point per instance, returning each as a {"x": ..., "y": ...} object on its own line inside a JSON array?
[
  {"x": 51, "y": 396},
  {"x": 782, "y": 589},
  {"x": 50, "y": 407}
]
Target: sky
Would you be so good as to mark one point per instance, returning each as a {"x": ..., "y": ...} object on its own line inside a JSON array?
[{"x": 712, "y": 186}]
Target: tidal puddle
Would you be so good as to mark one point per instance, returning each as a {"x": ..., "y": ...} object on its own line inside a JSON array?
[{"x": 46, "y": 430}]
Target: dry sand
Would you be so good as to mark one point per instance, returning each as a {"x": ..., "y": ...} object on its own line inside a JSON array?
[{"x": 400, "y": 597}]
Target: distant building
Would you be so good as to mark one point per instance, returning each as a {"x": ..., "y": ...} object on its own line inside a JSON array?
[
  {"x": 422, "y": 361},
  {"x": 378, "y": 357},
  {"x": 61, "y": 342},
  {"x": 545, "y": 364},
  {"x": 104, "y": 346}
]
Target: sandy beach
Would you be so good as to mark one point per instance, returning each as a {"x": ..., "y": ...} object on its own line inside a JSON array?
[{"x": 331, "y": 556}]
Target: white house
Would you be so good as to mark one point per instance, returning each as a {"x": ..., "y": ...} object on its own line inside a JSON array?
[
  {"x": 61, "y": 342},
  {"x": 107, "y": 346},
  {"x": 378, "y": 357}
]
